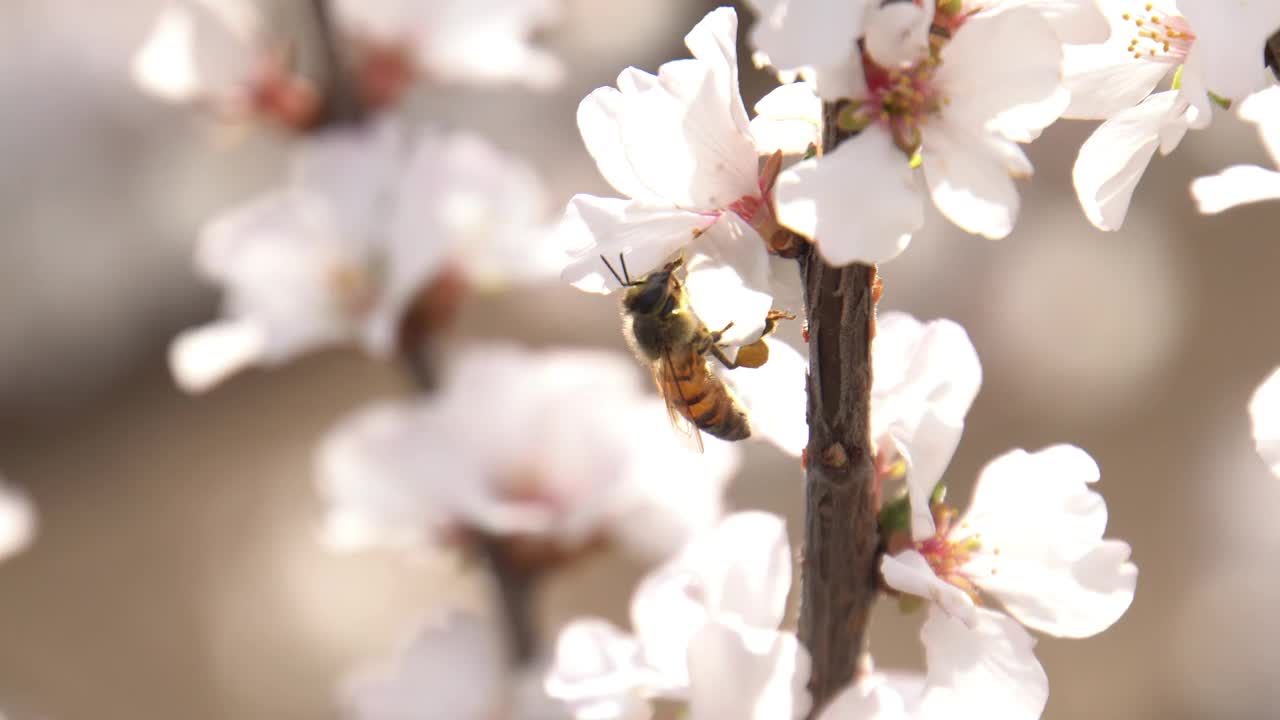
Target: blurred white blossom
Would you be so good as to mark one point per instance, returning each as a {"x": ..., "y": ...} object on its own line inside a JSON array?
[
  {"x": 223, "y": 54},
  {"x": 481, "y": 42},
  {"x": 366, "y": 222},
  {"x": 705, "y": 632},
  {"x": 925, "y": 377},
  {"x": 451, "y": 668},
  {"x": 1032, "y": 539},
  {"x": 1264, "y": 412},
  {"x": 1242, "y": 184},
  {"x": 17, "y": 520},
  {"x": 680, "y": 147},
  {"x": 1214, "y": 49},
  {"x": 562, "y": 446},
  {"x": 201, "y": 50},
  {"x": 957, "y": 109}
]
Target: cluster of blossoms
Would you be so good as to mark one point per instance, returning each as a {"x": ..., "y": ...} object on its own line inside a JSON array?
[
  {"x": 379, "y": 230},
  {"x": 706, "y": 622},
  {"x": 223, "y": 54},
  {"x": 537, "y": 458}
]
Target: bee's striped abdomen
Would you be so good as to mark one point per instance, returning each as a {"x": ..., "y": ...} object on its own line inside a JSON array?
[{"x": 704, "y": 399}]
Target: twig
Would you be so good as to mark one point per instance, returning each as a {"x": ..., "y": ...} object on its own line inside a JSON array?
[
  {"x": 838, "y": 568},
  {"x": 516, "y": 588},
  {"x": 341, "y": 103}
]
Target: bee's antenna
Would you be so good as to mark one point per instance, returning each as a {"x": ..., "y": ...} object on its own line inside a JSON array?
[
  {"x": 615, "y": 272},
  {"x": 622, "y": 259}
]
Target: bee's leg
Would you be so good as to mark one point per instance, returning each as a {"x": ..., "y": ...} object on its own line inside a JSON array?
[
  {"x": 772, "y": 318},
  {"x": 720, "y": 355}
]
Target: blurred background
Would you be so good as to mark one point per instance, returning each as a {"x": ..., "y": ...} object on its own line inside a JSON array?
[{"x": 177, "y": 572}]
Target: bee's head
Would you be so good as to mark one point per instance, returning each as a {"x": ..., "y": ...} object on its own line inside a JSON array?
[{"x": 649, "y": 295}]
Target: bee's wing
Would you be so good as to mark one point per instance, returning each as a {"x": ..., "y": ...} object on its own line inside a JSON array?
[{"x": 664, "y": 376}]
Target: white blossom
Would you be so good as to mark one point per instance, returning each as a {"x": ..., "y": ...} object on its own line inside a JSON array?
[
  {"x": 561, "y": 446},
  {"x": 201, "y": 50},
  {"x": 1242, "y": 184},
  {"x": 957, "y": 109},
  {"x": 705, "y": 632},
  {"x": 680, "y": 147},
  {"x": 925, "y": 377},
  {"x": 17, "y": 520},
  {"x": 1032, "y": 539},
  {"x": 1215, "y": 48},
  {"x": 366, "y": 223},
  {"x": 1264, "y": 412},
  {"x": 451, "y": 668},
  {"x": 984, "y": 670},
  {"x": 480, "y": 42}
]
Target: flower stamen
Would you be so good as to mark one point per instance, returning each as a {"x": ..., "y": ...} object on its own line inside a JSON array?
[{"x": 1161, "y": 36}]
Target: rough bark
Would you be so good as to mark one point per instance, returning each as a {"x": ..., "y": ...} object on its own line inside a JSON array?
[{"x": 838, "y": 568}]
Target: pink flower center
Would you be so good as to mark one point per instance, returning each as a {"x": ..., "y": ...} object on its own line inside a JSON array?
[
  {"x": 903, "y": 99},
  {"x": 1160, "y": 36},
  {"x": 950, "y": 550}
]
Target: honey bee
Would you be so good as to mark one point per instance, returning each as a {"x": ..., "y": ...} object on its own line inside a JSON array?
[{"x": 665, "y": 332}]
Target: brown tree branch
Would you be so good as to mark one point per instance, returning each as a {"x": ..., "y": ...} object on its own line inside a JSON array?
[
  {"x": 342, "y": 104},
  {"x": 841, "y": 539}
]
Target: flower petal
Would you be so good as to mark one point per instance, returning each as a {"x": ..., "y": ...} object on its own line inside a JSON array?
[
  {"x": 1263, "y": 109},
  {"x": 1104, "y": 79},
  {"x": 1075, "y": 21},
  {"x": 969, "y": 180},
  {"x": 747, "y": 673},
  {"x": 1042, "y": 554},
  {"x": 597, "y": 672},
  {"x": 988, "y": 670},
  {"x": 669, "y": 493},
  {"x": 858, "y": 203},
  {"x": 646, "y": 235},
  {"x": 1233, "y": 37},
  {"x": 897, "y": 34},
  {"x": 933, "y": 363},
  {"x": 285, "y": 267},
  {"x": 729, "y": 279},
  {"x": 200, "y": 358},
  {"x": 599, "y": 122},
  {"x": 462, "y": 200},
  {"x": 352, "y": 170},
  {"x": 450, "y": 667},
  {"x": 740, "y": 569},
  {"x": 775, "y": 397},
  {"x": 482, "y": 43},
  {"x": 797, "y": 33},
  {"x": 868, "y": 699},
  {"x": 198, "y": 49},
  {"x": 1235, "y": 186},
  {"x": 714, "y": 41},
  {"x": 926, "y": 377},
  {"x": 909, "y": 572},
  {"x": 1003, "y": 72},
  {"x": 1113, "y": 159},
  {"x": 1264, "y": 413},
  {"x": 927, "y": 446},
  {"x": 789, "y": 119},
  {"x": 17, "y": 520}
]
